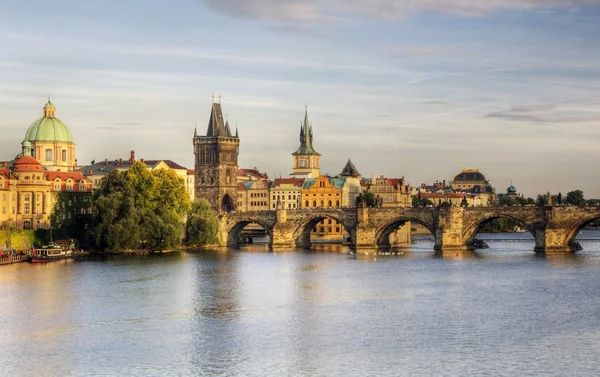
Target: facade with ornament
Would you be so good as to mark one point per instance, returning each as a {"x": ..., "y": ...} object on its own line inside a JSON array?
[{"x": 31, "y": 182}]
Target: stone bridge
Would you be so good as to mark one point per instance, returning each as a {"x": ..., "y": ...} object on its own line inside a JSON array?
[{"x": 454, "y": 228}]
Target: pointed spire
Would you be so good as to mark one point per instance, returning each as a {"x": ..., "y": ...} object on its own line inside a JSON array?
[
  {"x": 306, "y": 137},
  {"x": 350, "y": 170},
  {"x": 236, "y": 131},
  {"x": 195, "y": 129}
]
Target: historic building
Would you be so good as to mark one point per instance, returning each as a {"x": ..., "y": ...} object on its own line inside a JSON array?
[
  {"x": 306, "y": 160},
  {"x": 98, "y": 170},
  {"x": 287, "y": 193},
  {"x": 253, "y": 195},
  {"x": 452, "y": 198},
  {"x": 28, "y": 192},
  {"x": 352, "y": 184},
  {"x": 324, "y": 192},
  {"x": 216, "y": 163},
  {"x": 391, "y": 192},
  {"x": 471, "y": 181},
  {"x": 51, "y": 141}
]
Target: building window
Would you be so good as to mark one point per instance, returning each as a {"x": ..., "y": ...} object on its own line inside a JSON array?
[
  {"x": 48, "y": 154},
  {"x": 37, "y": 225},
  {"x": 337, "y": 203},
  {"x": 314, "y": 203},
  {"x": 337, "y": 229},
  {"x": 64, "y": 155},
  {"x": 322, "y": 203},
  {"x": 27, "y": 205},
  {"x": 306, "y": 204},
  {"x": 329, "y": 221},
  {"x": 329, "y": 203}
]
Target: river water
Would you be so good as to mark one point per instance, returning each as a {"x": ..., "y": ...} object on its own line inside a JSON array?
[{"x": 324, "y": 312}]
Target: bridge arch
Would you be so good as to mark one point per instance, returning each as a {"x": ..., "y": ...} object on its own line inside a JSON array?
[
  {"x": 573, "y": 230},
  {"x": 470, "y": 230},
  {"x": 234, "y": 230},
  {"x": 382, "y": 236},
  {"x": 303, "y": 228}
]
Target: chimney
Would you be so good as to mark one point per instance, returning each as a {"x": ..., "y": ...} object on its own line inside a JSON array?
[
  {"x": 106, "y": 161},
  {"x": 132, "y": 157}
]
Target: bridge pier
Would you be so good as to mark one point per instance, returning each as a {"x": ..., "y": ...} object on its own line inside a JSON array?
[{"x": 553, "y": 241}]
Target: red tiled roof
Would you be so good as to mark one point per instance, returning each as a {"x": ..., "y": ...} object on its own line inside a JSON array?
[
  {"x": 64, "y": 175},
  {"x": 241, "y": 186},
  {"x": 287, "y": 181},
  {"x": 252, "y": 172},
  {"x": 449, "y": 195},
  {"x": 191, "y": 172}
]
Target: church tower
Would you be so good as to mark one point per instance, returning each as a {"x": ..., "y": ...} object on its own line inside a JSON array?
[
  {"x": 216, "y": 162},
  {"x": 305, "y": 161}
]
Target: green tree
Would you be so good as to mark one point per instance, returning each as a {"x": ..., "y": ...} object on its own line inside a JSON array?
[
  {"x": 507, "y": 201},
  {"x": 367, "y": 198},
  {"x": 423, "y": 202},
  {"x": 139, "y": 208},
  {"x": 575, "y": 198},
  {"x": 202, "y": 224}
]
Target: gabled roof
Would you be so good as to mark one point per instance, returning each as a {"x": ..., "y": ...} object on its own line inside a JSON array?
[
  {"x": 350, "y": 170},
  {"x": 169, "y": 163},
  {"x": 338, "y": 183},
  {"x": 252, "y": 173},
  {"x": 64, "y": 175}
]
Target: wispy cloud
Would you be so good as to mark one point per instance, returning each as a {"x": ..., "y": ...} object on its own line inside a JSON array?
[
  {"x": 320, "y": 11},
  {"x": 398, "y": 52},
  {"x": 545, "y": 114}
]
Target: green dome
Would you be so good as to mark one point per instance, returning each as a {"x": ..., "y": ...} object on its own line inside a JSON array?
[{"x": 48, "y": 129}]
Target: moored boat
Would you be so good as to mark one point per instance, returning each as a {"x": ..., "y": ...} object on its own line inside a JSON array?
[{"x": 52, "y": 252}]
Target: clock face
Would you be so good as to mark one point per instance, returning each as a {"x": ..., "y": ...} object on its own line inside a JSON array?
[{"x": 302, "y": 163}]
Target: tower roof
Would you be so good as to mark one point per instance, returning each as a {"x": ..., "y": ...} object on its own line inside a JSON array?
[
  {"x": 306, "y": 137},
  {"x": 216, "y": 125},
  {"x": 349, "y": 170}
]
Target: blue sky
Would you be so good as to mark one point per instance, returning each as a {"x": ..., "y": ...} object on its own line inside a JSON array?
[{"x": 404, "y": 88}]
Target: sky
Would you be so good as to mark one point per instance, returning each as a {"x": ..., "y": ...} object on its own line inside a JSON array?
[{"x": 412, "y": 88}]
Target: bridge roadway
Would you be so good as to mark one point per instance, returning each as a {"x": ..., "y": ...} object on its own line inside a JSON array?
[{"x": 554, "y": 228}]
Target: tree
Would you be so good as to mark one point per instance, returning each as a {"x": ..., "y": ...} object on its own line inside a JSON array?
[
  {"x": 139, "y": 208},
  {"x": 423, "y": 202},
  {"x": 202, "y": 224},
  {"x": 367, "y": 198},
  {"x": 575, "y": 198},
  {"x": 507, "y": 201}
]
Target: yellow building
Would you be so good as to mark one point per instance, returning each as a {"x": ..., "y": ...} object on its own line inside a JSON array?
[
  {"x": 392, "y": 192},
  {"x": 28, "y": 192},
  {"x": 253, "y": 195},
  {"x": 471, "y": 181},
  {"x": 51, "y": 141},
  {"x": 324, "y": 192}
]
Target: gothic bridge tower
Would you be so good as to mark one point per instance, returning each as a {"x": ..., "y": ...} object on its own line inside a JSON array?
[{"x": 216, "y": 163}]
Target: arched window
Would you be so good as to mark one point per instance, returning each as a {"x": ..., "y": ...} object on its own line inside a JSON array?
[
  {"x": 48, "y": 154},
  {"x": 329, "y": 203},
  {"x": 38, "y": 225},
  {"x": 306, "y": 204},
  {"x": 322, "y": 203},
  {"x": 64, "y": 155},
  {"x": 314, "y": 203},
  {"x": 337, "y": 203}
]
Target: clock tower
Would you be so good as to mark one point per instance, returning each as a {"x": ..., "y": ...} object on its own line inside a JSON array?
[{"x": 306, "y": 161}]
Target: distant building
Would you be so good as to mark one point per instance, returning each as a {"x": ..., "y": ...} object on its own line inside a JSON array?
[
  {"x": 216, "y": 163},
  {"x": 451, "y": 198},
  {"x": 324, "y": 192},
  {"x": 29, "y": 184},
  {"x": 352, "y": 187},
  {"x": 98, "y": 170},
  {"x": 471, "y": 181},
  {"x": 50, "y": 142},
  {"x": 253, "y": 195},
  {"x": 287, "y": 192},
  {"x": 391, "y": 192}
]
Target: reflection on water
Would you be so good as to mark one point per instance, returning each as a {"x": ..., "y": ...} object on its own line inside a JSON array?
[{"x": 323, "y": 311}]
